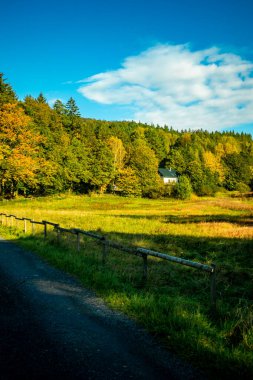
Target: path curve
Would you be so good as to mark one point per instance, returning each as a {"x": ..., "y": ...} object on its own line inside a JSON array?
[{"x": 53, "y": 328}]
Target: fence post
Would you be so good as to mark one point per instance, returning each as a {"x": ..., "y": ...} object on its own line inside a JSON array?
[
  {"x": 32, "y": 227},
  {"x": 25, "y": 229},
  {"x": 45, "y": 229},
  {"x": 145, "y": 267},
  {"x": 68, "y": 236},
  {"x": 213, "y": 287},
  {"x": 105, "y": 250},
  {"x": 58, "y": 234}
]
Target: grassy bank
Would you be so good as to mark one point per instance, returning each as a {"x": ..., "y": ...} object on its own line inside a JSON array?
[{"x": 174, "y": 304}]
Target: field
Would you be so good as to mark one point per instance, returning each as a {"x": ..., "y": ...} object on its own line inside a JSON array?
[{"x": 174, "y": 304}]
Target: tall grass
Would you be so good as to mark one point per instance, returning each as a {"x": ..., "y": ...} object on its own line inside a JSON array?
[{"x": 174, "y": 304}]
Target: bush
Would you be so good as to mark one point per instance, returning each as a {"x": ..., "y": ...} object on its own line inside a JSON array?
[
  {"x": 242, "y": 187},
  {"x": 183, "y": 188},
  {"x": 160, "y": 191},
  {"x": 128, "y": 184}
]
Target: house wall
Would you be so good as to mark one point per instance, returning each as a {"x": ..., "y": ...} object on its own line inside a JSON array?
[{"x": 169, "y": 180}]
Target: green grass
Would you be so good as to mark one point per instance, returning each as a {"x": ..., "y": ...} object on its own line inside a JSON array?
[{"x": 174, "y": 304}]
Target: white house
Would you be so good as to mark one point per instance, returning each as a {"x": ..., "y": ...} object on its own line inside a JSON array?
[{"x": 168, "y": 175}]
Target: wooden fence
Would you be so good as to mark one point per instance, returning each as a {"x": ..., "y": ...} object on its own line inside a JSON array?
[{"x": 106, "y": 244}]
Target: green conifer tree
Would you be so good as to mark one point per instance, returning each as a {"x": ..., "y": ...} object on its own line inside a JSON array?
[
  {"x": 72, "y": 108},
  {"x": 7, "y": 95}
]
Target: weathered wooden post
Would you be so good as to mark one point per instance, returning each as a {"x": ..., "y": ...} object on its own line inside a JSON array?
[
  {"x": 55, "y": 225},
  {"x": 213, "y": 288},
  {"x": 58, "y": 234},
  {"x": 45, "y": 229},
  {"x": 32, "y": 227},
  {"x": 68, "y": 236}
]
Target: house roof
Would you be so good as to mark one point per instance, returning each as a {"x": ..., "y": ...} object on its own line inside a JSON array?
[{"x": 167, "y": 173}]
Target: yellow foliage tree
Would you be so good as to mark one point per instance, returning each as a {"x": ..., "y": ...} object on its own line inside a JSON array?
[
  {"x": 118, "y": 151},
  {"x": 213, "y": 163},
  {"x": 19, "y": 149},
  {"x": 228, "y": 145}
]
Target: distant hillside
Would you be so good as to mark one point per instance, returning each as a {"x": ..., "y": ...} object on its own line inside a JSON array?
[{"x": 52, "y": 149}]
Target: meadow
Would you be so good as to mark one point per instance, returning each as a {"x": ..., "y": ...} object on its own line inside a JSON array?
[{"x": 174, "y": 303}]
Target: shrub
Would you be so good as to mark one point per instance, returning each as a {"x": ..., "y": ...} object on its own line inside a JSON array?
[{"x": 183, "y": 188}]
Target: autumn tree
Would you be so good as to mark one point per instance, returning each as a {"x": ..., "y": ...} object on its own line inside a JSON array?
[
  {"x": 101, "y": 167},
  {"x": 127, "y": 183},
  {"x": 203, "y": 181},
  {"x": 47, "y": 149},
  {"x": 214, "y": 164},
  {"x": 176, "y": 159},
  {"x": 118, "y": 151},
  {"x": 145, "y": 164},
  {"x": 40, "y": 112},
  {"x": 19, "y": 150},
  {"x": 156, "y": 142}
]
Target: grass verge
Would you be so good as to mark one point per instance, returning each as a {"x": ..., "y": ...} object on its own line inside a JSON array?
[{"x": 174, "y": 304}]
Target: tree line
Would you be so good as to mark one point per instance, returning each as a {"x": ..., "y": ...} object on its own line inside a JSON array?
[{"x": 46, "y": 150}]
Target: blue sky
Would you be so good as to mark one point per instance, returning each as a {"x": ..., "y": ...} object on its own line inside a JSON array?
[{"x": 184, "y": 63}]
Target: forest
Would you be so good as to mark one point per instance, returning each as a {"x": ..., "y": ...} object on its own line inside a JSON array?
[{"x": 47, "y": 150}]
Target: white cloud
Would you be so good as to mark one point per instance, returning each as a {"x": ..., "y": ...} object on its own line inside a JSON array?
[{"x": 170, "y": 84}]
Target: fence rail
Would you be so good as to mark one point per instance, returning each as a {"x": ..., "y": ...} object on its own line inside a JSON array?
[{"x": 106, "y": 244}]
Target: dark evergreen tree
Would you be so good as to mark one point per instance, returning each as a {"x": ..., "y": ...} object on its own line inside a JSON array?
[
  {"x": 41, "y": 99},
  {"x": 238, "y": 170},
  {"x": 72, "y": 109},
  {"x": 7, "y": 95}
]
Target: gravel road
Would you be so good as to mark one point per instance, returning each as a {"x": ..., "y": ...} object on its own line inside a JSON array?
[{"x": 53, "y": 328}]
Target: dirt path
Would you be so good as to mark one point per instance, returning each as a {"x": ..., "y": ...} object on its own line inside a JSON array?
[{"x": 52, "y": 328}]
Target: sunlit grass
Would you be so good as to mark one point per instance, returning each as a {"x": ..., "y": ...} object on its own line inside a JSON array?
[{"x": 174, "y": 304}]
